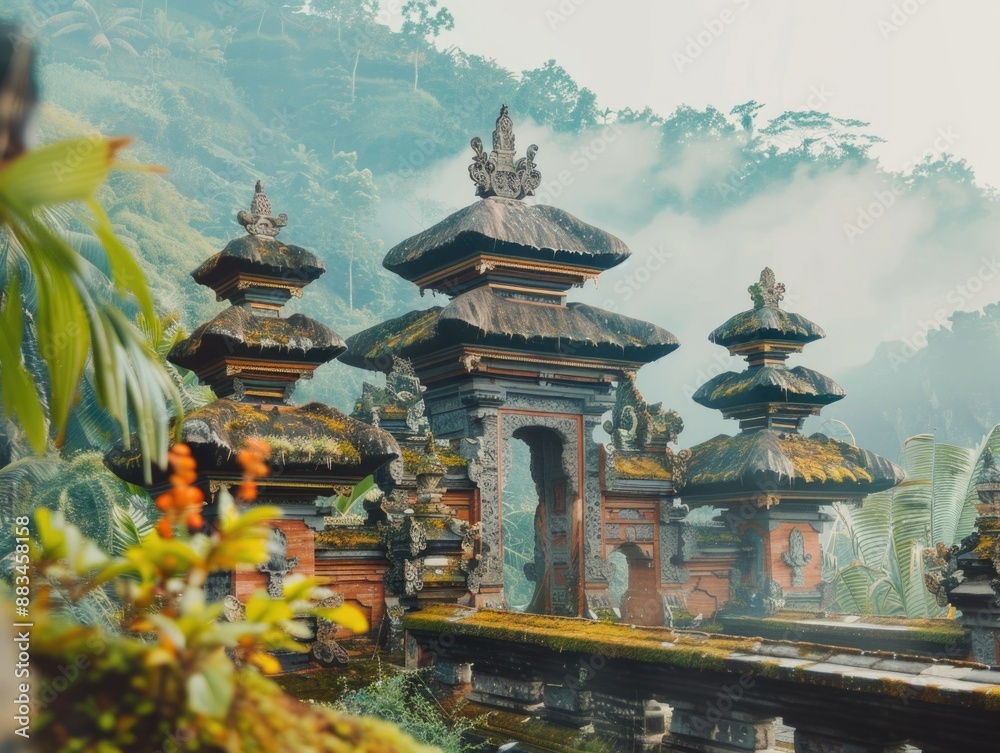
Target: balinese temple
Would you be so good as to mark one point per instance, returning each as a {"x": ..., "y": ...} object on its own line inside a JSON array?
[
  {"x": 968, "y": 575},
  {"x": 770, "y": 481},
  {"x": 507, "y": 357},
  {"x": 252, "y": 357}
]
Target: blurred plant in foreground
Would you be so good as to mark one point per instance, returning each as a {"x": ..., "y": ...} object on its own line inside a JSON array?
[
  {"x": 172, "y": 673},
  {"x": 72, "y": 321}
]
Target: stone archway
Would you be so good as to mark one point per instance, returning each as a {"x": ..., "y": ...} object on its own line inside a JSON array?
[
  {"x": 552, "y": 569},
  {"x": 641, "y": 603},
  {"x": 553, "y": 443}
]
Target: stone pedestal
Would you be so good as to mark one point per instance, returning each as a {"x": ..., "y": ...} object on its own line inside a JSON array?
[
  {"x": 452, "y": 673},
  {"x": 632, "y": 723},
  {"x": 504, "y": 692},
  {"x": 709, "y": 730},
  {"x": 570, "y": 707}
]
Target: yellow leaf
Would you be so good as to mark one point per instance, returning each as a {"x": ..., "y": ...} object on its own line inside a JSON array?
[
  {"x": 346, "y": 615},
  {"x": 60, "y": 173}
]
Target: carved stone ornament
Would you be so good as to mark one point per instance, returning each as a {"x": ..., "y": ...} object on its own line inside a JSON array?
[
  {"x": 767, "y": 292},
  {"x": 635, "y": 424},
  {"x": 278, "y": 565},
  {"x": 402, "y": 392},
  {"x": 679, "y": 468},
  {"x": 430, "y": 470},
  {"x": 260, "y": 220},
  {"x": 325, "y": 649},
  {"x": 233, "y": 610},
  {"x": 796, "y": 557},
  {"x": 413, "y": 576},
  {"x": 498, "y": 174}
]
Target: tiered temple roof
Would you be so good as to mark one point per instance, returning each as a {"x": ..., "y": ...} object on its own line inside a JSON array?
[
  {"x": 252, "y": 358},
  {"x": 771, "y": 402},
  {"x": 507, "y": 266}
]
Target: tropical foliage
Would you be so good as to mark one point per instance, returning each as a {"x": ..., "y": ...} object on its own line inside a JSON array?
[
  {"x": 406, "y": 700},
  {"x": 172, "y": 672},
  {"x": 875, "y": 554},
  {"x": 74, "y": 322}
]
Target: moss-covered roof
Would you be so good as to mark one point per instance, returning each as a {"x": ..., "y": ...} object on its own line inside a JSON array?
[
  {"x": 309, "y": 437},
  {"x": 481, "y": 317},
  {"x": 766, "y": 323},
  {"x": 343, "y": 538},
  {"x": 643, "y": 465},
  {"x": 768, "y": 384},
  {"x": 238, "y": 332},
  {"x": 260, "y": 255},
  {"x": 775, "y": 460},
  {"x": 506, "y": 227}
]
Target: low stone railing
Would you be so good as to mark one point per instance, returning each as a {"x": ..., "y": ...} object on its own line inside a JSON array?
[{"x": 720, "y": 693}]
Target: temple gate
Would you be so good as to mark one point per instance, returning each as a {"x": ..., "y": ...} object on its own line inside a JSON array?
[{"x": 508, "y": 357}]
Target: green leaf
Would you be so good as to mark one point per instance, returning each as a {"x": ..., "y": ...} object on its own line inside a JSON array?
[
  {"x": 210, "y": 691},
  {"x": 20, "y": 395}
]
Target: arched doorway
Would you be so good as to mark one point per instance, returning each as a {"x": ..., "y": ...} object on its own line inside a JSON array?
[
  {"x": 555, "y": 561},
  {"x": 641, "y": 603}
]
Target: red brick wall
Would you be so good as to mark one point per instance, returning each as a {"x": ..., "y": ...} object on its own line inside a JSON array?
[
  {"x": 461, "y": 501},
  {"x": 641, "y": 602},
  {"x": 301, "y": 544},
  {"x": 776, "y": 544},
  {"x": 360, "y": 581},
  {"x": 707, "y": 589}
]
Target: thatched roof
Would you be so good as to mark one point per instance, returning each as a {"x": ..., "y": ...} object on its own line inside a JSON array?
[
  {"x": 238, "y": 332},
  {"x": 768, "y": 384},
  {"x": 766, "y": 323},
  {"x": 767, "y": 459},
  {"x": 643, "y": 465},
  {"x": 481, "y": 317},
  {"x": 309, "y": 438},
  {"x": 260, "y": 255},
  {"x": 509, "y": 228}
]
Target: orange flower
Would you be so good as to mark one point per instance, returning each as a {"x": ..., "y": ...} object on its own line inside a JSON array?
[
  {"x": 247, "y": 490},
  {"x": 195, "y": 522},
  {"x": 258, "y": 445}
]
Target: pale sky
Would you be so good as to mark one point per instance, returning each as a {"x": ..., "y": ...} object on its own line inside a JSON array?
[
  {"x": 924, "y": 81},
  {"x": 909, "y": 74}
]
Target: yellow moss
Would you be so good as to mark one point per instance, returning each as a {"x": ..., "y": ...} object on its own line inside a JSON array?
[
  {"x": 813, "y": 460},
  {"x": 417, "y": 329},
  {"x": 688, "y": 649},
  {"x": 348, "y": 538},
  {"x": 448, "y": 457},
  {"x": 984, "y": 547},
  {"x": 646, "y": 466}
]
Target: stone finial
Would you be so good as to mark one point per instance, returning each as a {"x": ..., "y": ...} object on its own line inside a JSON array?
[
  {"x": 260, "y": 220},
  {"x": 767, "y": 292},
  {"x": 498, "y": 174}
]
